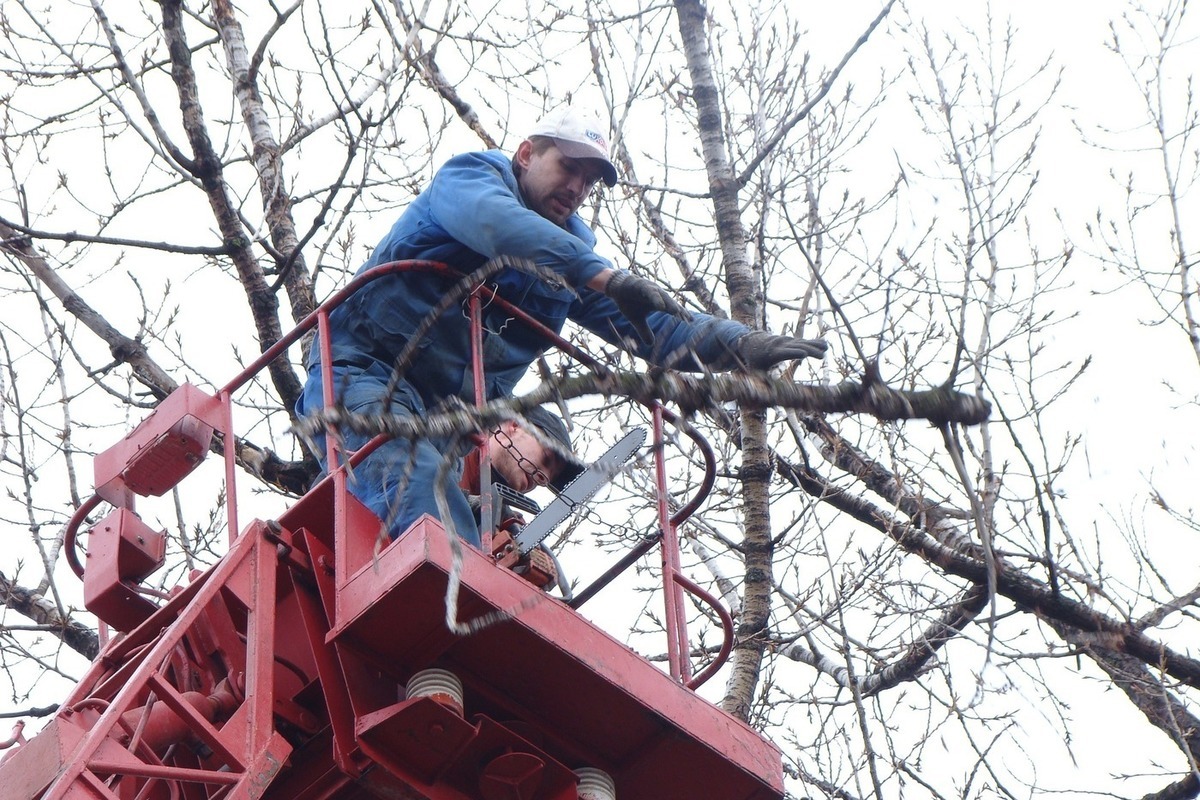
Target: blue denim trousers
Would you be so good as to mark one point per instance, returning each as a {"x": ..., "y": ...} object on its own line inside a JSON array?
[{"x": 397, "y": 480}]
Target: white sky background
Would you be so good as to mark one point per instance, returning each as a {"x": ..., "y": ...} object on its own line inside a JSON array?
[
  {"x": 1137, "y": 365},
  {"x": 1125, "y": 445},
  {"x": 1138, "y": 404}
]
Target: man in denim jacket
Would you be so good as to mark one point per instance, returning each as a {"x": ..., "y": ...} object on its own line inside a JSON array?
[{"x": 480, "y": 206}]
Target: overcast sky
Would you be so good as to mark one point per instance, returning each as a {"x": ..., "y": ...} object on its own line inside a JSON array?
[{"x": 1136, "y": 405}]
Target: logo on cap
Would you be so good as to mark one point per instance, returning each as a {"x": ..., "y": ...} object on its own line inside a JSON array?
[{"x": 597, "y": 138}]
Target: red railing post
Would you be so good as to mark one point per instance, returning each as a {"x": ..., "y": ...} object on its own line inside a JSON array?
[
  {"x": 678, "y": 651},
  {"x": 485, "y": 447}
]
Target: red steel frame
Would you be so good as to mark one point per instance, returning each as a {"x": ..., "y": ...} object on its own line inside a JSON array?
[{"x": 291, "y": 640}]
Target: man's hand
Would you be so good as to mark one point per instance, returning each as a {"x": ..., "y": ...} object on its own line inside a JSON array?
[
  {"x": 637, "y": 298},
  {"x": 762, "y": 350}
]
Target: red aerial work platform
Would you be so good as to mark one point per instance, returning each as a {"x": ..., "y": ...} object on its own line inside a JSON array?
[{"x": 305, "y": 665}]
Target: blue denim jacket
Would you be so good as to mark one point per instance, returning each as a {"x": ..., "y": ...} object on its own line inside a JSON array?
[{"x": 473, "y": 211}]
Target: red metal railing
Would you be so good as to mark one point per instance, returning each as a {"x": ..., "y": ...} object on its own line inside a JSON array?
[{"x": 675, "y": 583}]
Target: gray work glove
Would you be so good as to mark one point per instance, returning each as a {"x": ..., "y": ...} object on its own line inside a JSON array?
[
  {"x": 762, "y": 350},
  {"x": 637, "y": 298}
]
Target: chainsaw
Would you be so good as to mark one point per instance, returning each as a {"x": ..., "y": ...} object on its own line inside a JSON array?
[{"x": 515, "y": 546}]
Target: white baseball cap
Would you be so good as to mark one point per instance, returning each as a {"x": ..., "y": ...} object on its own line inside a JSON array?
[{"x": 578, "y": 134}]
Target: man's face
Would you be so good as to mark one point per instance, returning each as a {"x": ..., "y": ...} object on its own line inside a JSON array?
[
  {"x": 521, "y": 460},
  {"x": 553, "y": 185}
]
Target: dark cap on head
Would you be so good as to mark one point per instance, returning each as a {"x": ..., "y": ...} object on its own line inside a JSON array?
[{"x": 551, "y": 426}]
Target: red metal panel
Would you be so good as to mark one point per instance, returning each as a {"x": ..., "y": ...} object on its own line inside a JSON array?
[
  {"x": 437, "y": 754},
  {"x": 121, "y": 550},
  {"x": 315, "y": 513},
  {"x": 30, "y": 768},
  {"x": 420, "y": 734},
  {"x": 163, "y": 449},
  {"x": 312, "y": 775},
  {"x": 596, "y": 701}
]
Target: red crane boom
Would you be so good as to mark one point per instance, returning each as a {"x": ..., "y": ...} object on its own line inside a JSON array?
[{"x": 305, "y": 665}]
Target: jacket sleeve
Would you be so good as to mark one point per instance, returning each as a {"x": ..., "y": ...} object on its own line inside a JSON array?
[
  {"x": 677, "y": 344},
  {"x": 474, "y": 198}
]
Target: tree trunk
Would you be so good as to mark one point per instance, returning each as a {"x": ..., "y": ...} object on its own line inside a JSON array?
[{"x": 746, "y": 304}]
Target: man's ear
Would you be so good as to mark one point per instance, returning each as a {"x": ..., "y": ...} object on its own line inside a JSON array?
[{"x": 524, "y": 154}]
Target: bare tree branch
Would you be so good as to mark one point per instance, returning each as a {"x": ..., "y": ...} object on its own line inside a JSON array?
[{"x": 78, "y": 637}]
